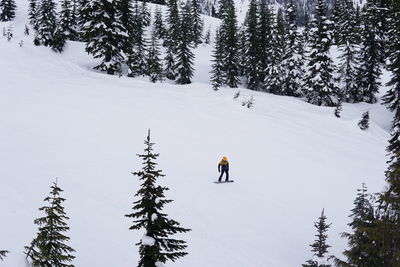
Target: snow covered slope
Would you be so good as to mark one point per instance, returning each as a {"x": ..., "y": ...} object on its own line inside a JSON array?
[{"x": 289, "y": 160}]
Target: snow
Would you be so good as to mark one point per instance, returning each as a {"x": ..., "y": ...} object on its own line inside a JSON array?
[
  {"x": 148, "y": 241},
  {"x": 289, "y": 159}
]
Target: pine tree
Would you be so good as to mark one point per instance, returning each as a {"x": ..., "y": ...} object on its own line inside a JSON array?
[
  {"x": 48, "y": 32},
  {"x": 364, "y": 122},
  {"x": 32, "y": 13},
  {"x": 171, "y": 41},
  {"x": 307, "y": 26},
  {"x": 265, "y": 33},
  {"x": 217, "y": 77},
  {"x": 155, "y": 70},
  {"x": 319, "y": 84},
  {"x": 252, "y": 50},
  {"x": 338, "y": 109},
  {"x": 105, "y": 34},
  {"x": 207, "y": 37},
  {"x": 337, "y": 21},
  {"x": 136, "y": 58},
  {"x": 67, "y": 23},
  {"x": 197, "y": 22},
  {"x": 49, "y": 247},
  {"x": 7, "y": 10},
  {"x": 320, "y": 247},
  {"x": 146, "y": 16},
  {"x": 156, "y": 246},
  {"x": 363, "y": 250},
  {"x": 84, "y": 12},
  {"x": 293, "y": 56},
  {"x": 230, "y": 44},
  {"x": 3, "y": 254},
  {"x": 369, "y": 71},
  {"x": 184, "y": 63},
  {"x": 347, "y": 71},
  {"x": 159, "y": 27}
]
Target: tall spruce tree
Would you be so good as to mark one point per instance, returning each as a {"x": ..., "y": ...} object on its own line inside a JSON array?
[
  {"x": 3, "y": 254},
  {"x": 347, "y": 71},
  {"x": 265, "y": 33},
  {"x": 229, "y": 39},
  {"x": 7, "y": 10},
  {"x": 369, "y": 71},
  {"x": 154, "y": 65},
  {"x": 106, "y": 35},
  {"x": 48, "y": 32},
  {"x": 172, "y": 39},
  {"x": 184, "y": 63},
  {"x": 320, "y": 246},
  {"x": 389, "y": 226},
  {"x": 363, "y": 249},
  {"x": 197, "y": 22},
  {"x": 49, "y": 247},
  {"x": 319, "y": 87},
  {"x": 137, "y": 58},
  {"x": 32, "y": 13},
  {"x": 293, "y": 56},
  {"x": 67, "y": 23},
  {"x": 307, "y": 26},
  {"x": 252, "y": 53},
  {"x": 159, "y": 26},
  {"x": 156, "y": 246},
  {"x": 217, "y": 77},
  {"x": 337, "y": 21},
  {"x": 84, "y": 12}
]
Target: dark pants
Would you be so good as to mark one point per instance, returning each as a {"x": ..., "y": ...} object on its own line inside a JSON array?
[{"x": 222, "y": 173}]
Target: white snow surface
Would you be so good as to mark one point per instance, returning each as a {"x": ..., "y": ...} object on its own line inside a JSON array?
[{"x": 289, "y": 159}]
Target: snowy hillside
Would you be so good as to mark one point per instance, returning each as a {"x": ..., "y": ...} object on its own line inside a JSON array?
[{"x": 289, "y": 159}]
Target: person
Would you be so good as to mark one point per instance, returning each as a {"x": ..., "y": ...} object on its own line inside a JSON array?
[{"x": 223, "y": 167}]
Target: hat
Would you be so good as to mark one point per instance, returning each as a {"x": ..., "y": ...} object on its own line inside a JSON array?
[{"x": 224, "y": 158}]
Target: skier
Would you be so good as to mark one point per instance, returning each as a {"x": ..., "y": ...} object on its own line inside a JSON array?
[{"x": 223, "y": 167}]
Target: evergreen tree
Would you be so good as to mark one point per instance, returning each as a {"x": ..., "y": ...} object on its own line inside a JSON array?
[
  {"x": 146, "y": 16},
  {"x": 7, "y": 10},
  {"x": 159, "y": 27},
  {"x": 265, "y": 33},
  {"x": 319, "y": 85},
  {"x": 207, "y": 37},
  {"x": 67, "y": 23},
  {"x": 156, "y": 246},
  {"x": 136, "y": 58},
  {"x": 197, "y": 22},
  {"x": 126, "y": 17},
  {"x": 230, "y": 44},
  {"x": 307, "y": 26},
  {"x": 320, "y": 247},
  {"x": 185, "y": 56},
  {"x": 48, "y": 33},
  {"x": 337, "y": 21},
  {"x": 252, "y": 51},
  {"x": 293, "y": 54},
  {"x": 363, "y": 250},
  {"x": 338, "y": 109},
  {"x": 172, "y": 39},
  {"x": 275, "y": 74},
  {"x": 3, "y": 254},
  {"x": 49, "y": 247},
  {"x": 347, "y": 71},
  {"x": 217, "y": 77},
  {"x": 84, "y": 12},
  {"x": 155, "y": 70},
  {"x": 170, "y": 66},
  {"x": 369, "y": 71},
  {"x": 32, "y": 13},
  {"x": 106, "y": 35}
]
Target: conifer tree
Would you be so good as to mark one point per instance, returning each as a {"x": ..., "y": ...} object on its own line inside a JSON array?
[
  {"x": 347, "y": 71},
  {"x": 84, "y": 12},
  {"x": 252, "y": 53},
  {"x": 217, "y": 77},
  {"x": 159, "y": 26},
  {"x": 363, "y": 250},
  {"x": 197, "y": 22},
  {"x": 146, "y": 16},
  {"x": 136, "y": 58},
  {"x": 170, "y": 66},
  {"x": 3, "y": 254},
  {"x": 7, "y": 10},
  {"x": 155, "y": 70},
  {"x": 230, "y": 44},
  {"x": 265, "y": 33},
  {"x": 171, "y": 41},
  {"x": 338, "y": 109},
  {"x": 207, "y": 36},
  {"x": 369, "y": 71},
  {"x": 184, "y": 63},
  {"x": 48, "y": 32},
  {"x": 49, "y": 247},
  {"x": 320, "y": 247},
  {"x": 293, "y": 56},
  {"x": 337, "y": 21},
  {"x": 126, "y": 16},
  {"x": 67, "y": 23},
  {"x": 307, "y": 26},
  {"x": 32, "y": 11},
  {"x": 319, "y": 84},
  {"x": 105, "y": 34},
  {"x": 156, "y": 246}
]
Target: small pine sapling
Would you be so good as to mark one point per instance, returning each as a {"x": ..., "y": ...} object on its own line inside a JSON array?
[
  {"x": 207, "y": 37},
  {"x": 236, "y": 95},
  {"x": 49, "y": 247},
  {"x": 364, "y": 122},
  {"x": 338, "y": 108},
  {"x": 9, "y": 33},
  {"x": 248, "y": 103},
  {"x": 21, "y": 43},
  {"x": 3, "y": 254}
]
